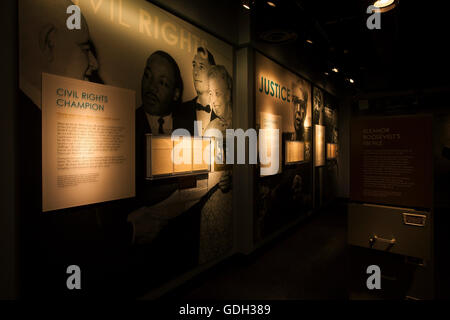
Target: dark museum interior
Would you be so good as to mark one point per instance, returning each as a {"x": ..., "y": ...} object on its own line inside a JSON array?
[{"x": 225, "y": 150}]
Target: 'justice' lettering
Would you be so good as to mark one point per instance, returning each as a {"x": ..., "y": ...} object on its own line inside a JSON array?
[{"x": 274, "y": 89}]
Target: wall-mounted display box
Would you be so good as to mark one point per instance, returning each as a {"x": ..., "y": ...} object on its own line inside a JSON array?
[
  {"x": 185, "y": 156},
  {"x": 294, "y": 152},
  {"x": 319, "y": 150},
  {"x": 331, "y": 151}
]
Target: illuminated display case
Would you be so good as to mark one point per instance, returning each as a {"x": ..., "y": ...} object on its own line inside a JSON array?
[
  {"x": 331, "y": 151},
  {"x": 319, "y": 150},
  {"x": 294, "y": 152},
  {"x": 185, "y": 156}
]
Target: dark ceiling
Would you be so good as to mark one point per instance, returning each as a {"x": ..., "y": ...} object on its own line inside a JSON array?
[{"x": 409, "y": 52}]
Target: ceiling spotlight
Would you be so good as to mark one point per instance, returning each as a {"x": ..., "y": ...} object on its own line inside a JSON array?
[
  {"x": 247, "y": 4},
  {"x": 272, "y": 4},
  {"x": 335, "y": 70},
  {"x": 351, "y": 80},
  {"x": 384, "y": 5},
  {"x": 309, "y": 41},
  {"x": 326, "y": 73}
]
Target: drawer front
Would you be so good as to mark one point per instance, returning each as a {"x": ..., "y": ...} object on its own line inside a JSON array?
[{"x": 397, "y": 230}]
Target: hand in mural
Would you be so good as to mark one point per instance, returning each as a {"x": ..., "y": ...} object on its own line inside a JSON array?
[
  {"x": 225, "y": 182},
  {"x": 146, "y": 226}
]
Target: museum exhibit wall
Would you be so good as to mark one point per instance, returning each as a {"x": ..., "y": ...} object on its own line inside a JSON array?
[
  {"x": 79, "y": 204},
  {"x": 284, "y": 48},
  {"x": 285, "y": 192},
  {"x": 325, "y": 118},
  {"x": 285, "y": 101},
  {"x": 94, "y": 188}
]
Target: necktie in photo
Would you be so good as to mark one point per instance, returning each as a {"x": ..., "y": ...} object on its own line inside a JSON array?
[{"x": 161, "y": 122}]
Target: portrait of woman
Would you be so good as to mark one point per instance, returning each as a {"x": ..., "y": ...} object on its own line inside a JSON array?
[{"x": 220, "y": 84}]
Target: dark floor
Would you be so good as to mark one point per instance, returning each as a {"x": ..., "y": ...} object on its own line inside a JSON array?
[{"x": 307, "y": 262}]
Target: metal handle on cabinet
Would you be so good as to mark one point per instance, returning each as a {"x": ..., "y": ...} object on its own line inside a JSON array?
[
  {"x": 414, "y": 219},
  {"x": 376, "y": 238}
]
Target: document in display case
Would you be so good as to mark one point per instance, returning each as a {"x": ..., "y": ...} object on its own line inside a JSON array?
[
  {"x": 319, "y": 150},
  {"x": 331, "y": 151},
  {"x": 167, "y": 157},
  {"x": 294, "y": 152}
]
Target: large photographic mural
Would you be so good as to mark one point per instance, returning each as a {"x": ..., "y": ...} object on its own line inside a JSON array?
[
  {"x": 179, "y": 74},
  {"x": 325, "y": 117},
  {"x": 286, "y": 194}
]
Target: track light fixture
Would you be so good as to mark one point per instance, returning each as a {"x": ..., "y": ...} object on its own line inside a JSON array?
[
  {"x": 248, "y": 4},
  {"x": 384, "y": 5}
]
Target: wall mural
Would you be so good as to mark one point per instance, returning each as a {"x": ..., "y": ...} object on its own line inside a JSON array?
[
  {"x": 180, "y": 74},
  {"x": 286, "y": 194},
  {"x": 326, "y": 114}
]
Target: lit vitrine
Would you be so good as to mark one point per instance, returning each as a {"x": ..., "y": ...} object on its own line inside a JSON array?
[
  {"x": 168, "y": 157},
  {"x": 294, "y": 152},
  {"x": 319, "y": 150},
  {"x": 331, "y": 151}
]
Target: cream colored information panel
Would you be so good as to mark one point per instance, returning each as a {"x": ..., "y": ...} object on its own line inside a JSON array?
[
  {"x": 87, "y": 143},
  {"x": 270, "y": 144}
]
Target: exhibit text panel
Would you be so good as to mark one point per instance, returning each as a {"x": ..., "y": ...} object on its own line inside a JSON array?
[
  {"x": 391, "y": 161},
  {"x": 87, "y": 142}
]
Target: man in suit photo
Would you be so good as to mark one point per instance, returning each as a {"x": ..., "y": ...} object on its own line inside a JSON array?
[
  {"x": 46, "y": 45},
  {"x": 161, "y": 90},
  {"x": 197, "y": 109}
]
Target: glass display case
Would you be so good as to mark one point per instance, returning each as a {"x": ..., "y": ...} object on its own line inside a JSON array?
[{"x": 167, "y": 157}]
